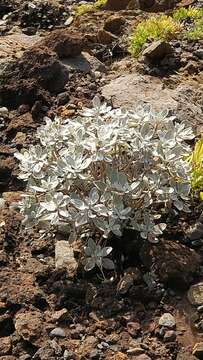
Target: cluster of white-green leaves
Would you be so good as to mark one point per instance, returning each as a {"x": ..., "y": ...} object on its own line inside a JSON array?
[{"x": 106, "y": 170}]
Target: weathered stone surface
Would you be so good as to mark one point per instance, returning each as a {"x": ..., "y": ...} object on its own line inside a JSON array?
[
  {"x": 60, "y": 315},
  {"x": 64, "y": 43},
  {"x": 169, "y": 336},
  {"x": 13, "y": 46},
  {"x": 199, "y": 53},
  {"x": 105, "y": 37},
  {"x": 64, "y": 257},
  {"x": 22, "y": 288},
  {"x": 84, "y": 62},
  {"x": 114, "y": 24},
  {"x": 29, "y": 325},
  {"x": 157, "y": 50},
  {"x": 185, "y": 355},
  {"x": 198, "y": 350},
  {"x": 129, "y": 90},
  {"x": 143, "y": 357},
  {"x": 195, "y": 294},
  {"x": 176, "y": 265},
  {"x": 57, "y": 332},
  {"x": 132, "y": 89},
  {"x": 167, "y": 320},
  {"x": 5, "y": 345}
]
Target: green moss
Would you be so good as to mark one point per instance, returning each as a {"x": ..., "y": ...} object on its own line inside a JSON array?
[
  {"x": 161, "y": 27},
  {"x": 84, "y": 8}
]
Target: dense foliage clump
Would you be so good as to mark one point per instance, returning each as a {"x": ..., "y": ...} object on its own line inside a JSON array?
[
  {"x": 107, "y": 170},
  {"x": 155, "y": 28},
  {"x": 193, "y": 18},
  {"x": 84, "y": 8},
  {"x": 186, "y": 23}
]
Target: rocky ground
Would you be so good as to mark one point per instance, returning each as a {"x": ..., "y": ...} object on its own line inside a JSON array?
[{"x": 53, "y": 63}]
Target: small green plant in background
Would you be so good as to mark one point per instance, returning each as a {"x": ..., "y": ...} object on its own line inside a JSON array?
[
  {"x": 189, "y": 13},
  {"x": 166, "y": 27},
  {"x": 161, "y": 27},
  {"x": 100, "y": 3},
  {"x": 84, "y": 8},
  {"x": 196, "y": 161},
  {"x": 196, "y": 15},
  {"x": 197, "y": 32}
]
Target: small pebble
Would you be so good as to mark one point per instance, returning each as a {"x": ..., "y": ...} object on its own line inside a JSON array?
[
  {"x": 2, "y": 203},
  {"x": 135, "y": 351},
  {"x": 199, "y": 53},
  {"x": 170, "y": 335},
  {"x": 167, "y": 320},
  {"x": 3, "y": 111},
  {"x": 60, "y": 315},
  {"x": 200, "y": 308},
  {"x": 68, "y": 355},
  {"x": 57, "y": 332}
]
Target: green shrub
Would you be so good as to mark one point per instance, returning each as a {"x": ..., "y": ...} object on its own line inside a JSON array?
[
  {"x": 194, "y": 14},
  {"x": 155, "y": 28},
  {"x": 183, "y": 14},
  {"x": 82, "y": 9},
  {"x": 197, "y": 32}
]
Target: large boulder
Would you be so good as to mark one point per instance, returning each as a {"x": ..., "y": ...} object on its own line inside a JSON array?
[{"x": 132, "y": 89}]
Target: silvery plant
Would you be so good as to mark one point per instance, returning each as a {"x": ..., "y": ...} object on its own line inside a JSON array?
[{"x": 104, "y": 171}]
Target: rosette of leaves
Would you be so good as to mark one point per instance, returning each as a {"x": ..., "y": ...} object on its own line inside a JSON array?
[
  {"x": 97, "y": 256},
  {"x": 107, "y": 170}
]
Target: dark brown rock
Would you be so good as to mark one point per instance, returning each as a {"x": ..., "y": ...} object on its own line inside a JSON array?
[
  {"x": 157, "y": 50},
  {"x": 22, "y": 288},
  {"x": 117, "y": 4},
  {"x": 64, "y": 43},
  {"x": 105, "y": 37},
  {"x": 29, "y": 325},
  {"x": 133, "y": 328},
  {"x": 175, "y": 263},
  {"x": 6, "y": 167},
  {"x": 146, "y": 4},
  {"x": 33, "y": 77},
  {"x": 169, "y": 336},
  {"x": 114, "y": 24}
]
